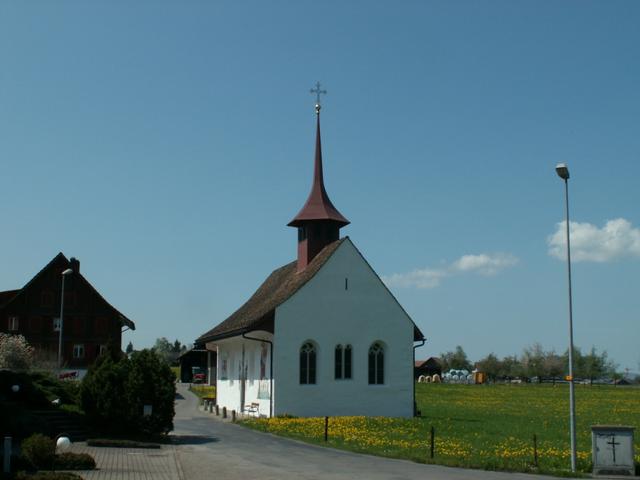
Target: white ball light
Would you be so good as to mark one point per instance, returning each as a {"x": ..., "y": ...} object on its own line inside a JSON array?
[
  {"x": 15, "y": 388},
  {"x": 63, "y": 443}
]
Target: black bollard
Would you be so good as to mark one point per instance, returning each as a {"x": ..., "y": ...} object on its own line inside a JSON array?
[
  {"x": 432, "y": 443},
  {"x": 326, "y": 429},
  {"x": 224, "y": 412}
]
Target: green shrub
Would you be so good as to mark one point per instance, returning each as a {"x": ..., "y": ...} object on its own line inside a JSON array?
[
  {"x": 39, "y": 450},
  {"x": 74, "y": 461},
  {"x": 103, "y": 396},
  {"x": 151, "y": 382},
  {"x": 115, "y": 391}
]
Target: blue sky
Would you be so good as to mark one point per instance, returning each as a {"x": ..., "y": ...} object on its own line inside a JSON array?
[{"x": 168, "y": 144}]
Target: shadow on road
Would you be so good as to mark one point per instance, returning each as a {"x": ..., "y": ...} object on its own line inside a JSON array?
[
  {"x": 192, "y": 439},
  {"x": 179, "y": 396}
]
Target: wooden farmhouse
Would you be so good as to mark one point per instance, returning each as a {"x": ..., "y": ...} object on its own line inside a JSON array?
[{"x": 90, "y": 323}]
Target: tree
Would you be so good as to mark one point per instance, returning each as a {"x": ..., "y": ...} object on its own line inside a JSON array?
[
  {"x": 594, "y": 365},
  {"x": 115, "y": 391},
  {"x": 15, "y": 352},
  {"x": 103, "y": 394},
  {"x": 129, "y": 348},
  {"x": 151, "y": 382},
  {"x": 455, "y": 360},
  {"x": 532, "y": 361},
  {"x": 164, "y": 349},
  {"x": 489, "y": 365},
  {"x": 553, "y": 365},
  {"x": 510, "y": 367}
]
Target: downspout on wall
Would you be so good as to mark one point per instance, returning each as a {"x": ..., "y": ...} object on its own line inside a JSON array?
[{"x": 413, "y": 378}]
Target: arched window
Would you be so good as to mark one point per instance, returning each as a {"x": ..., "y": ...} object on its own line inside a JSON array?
[
  {"x": 307, "y": 364},
  {"x": 376, "y": 364},
  {"x": 343, "y": 362},
  {"x": 347, "y": 361}
]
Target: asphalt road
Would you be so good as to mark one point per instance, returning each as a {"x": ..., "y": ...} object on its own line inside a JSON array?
[{"x": 208, "y": 448}]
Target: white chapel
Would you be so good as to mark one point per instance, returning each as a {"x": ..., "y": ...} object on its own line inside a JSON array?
[{"x": 322, "y": 335}]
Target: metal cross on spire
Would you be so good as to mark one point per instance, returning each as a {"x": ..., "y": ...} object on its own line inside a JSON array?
[{"x": 318, "y": 92}]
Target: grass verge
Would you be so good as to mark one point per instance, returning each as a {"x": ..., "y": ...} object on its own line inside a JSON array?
[{"x": 479, "y": 426}]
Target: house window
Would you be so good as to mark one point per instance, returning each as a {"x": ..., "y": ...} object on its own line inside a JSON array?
[
  {"x": 376, "y": 364},
  {"x": 14, "y": 323},
  {"x": 308, "y": 364},
  {"x": 102, "y": 350},
  {"x": 343, "y": 362},
  {"x": 78, "y": 351},
  {"x": 56, "y": 324}
]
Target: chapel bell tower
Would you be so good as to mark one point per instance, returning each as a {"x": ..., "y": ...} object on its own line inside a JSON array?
[{"x": 319, "y": 222}]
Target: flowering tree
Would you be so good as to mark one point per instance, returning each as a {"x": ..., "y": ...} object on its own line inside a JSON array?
[{"x": 15, "y": 352}]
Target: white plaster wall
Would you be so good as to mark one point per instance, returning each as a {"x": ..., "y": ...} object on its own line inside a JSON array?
[
  {"x": 228, "y": 391},
  {"x": 328, "y": 314}
]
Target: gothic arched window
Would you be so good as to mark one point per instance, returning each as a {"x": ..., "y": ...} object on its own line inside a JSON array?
[
  {"x": 308, "y": 363},
  {"x": 343, "y": 362},
  {"x": 376, "y": 364}
]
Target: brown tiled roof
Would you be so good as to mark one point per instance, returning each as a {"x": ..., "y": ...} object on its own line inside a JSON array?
[
  {"x": 276, "y": 289},
  {"x": 6, "y": 296}
]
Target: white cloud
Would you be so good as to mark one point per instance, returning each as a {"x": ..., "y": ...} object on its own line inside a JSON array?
[
  {"x": 616, "y": 239},
  {"x": 425, "y": 278},
  {"x": 483, "y": 264}
]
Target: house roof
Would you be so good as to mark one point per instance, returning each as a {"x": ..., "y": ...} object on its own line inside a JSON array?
[
  {"x": 8, "y": 297},
  {"x": 431, "y": 361},
  {"x": 274, "y": 291},
  {"x": 5, "y": 297},
  {"x": 318, "y": 205}
]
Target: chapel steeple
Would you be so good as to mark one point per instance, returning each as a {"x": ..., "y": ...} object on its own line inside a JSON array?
[{"x": 319, "y": 222}]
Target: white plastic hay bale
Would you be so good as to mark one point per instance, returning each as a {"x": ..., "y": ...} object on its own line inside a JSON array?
[{"x": 436, "y": 378}]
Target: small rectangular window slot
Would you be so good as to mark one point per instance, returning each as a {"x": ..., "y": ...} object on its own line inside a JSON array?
[{"x": 346, "y": 283}]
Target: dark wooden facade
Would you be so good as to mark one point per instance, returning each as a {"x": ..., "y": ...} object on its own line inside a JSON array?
[
  {"x": 90, "y": 323},
  {"x": 430, "y": 366}
]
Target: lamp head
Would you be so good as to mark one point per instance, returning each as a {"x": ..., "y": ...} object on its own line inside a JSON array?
[
  {"x": 68, "y": 271},
  {"x": 563, "y": 171}
]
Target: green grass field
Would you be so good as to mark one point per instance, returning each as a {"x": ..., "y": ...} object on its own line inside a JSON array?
[{"x": 480, "y": 426}]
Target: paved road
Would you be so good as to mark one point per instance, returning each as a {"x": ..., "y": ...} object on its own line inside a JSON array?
[{"x": 209, "y": 448}]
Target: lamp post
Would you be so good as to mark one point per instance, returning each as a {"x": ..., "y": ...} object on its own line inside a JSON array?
[
  {"x": 68, "y": 271},
  {"x": 563, "y": 172}
]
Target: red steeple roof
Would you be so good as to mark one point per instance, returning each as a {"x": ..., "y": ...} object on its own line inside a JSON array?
[{"x": 318, "y": 206}]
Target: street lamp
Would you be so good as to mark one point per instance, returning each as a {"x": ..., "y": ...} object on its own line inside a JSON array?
[
  {"x": 563, "y": 172},
  {"x": 68, "y": 271}
]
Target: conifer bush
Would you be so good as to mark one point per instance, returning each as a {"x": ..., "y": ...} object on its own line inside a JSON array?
[{"x": 115, "y": 391}]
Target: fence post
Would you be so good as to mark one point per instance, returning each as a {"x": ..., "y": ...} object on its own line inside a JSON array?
[
  {"x": 6, "y": 468},
  {"x": 535, "y": 450},
  {"x": 432, "y": 443},
  {"x": 326, "y": 429}
]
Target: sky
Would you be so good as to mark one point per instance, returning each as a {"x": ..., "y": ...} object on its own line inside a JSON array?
[{"x": 167, "y": 144}]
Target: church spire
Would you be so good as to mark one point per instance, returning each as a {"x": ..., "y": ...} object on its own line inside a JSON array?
[{"x": 318, "y": 221}]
